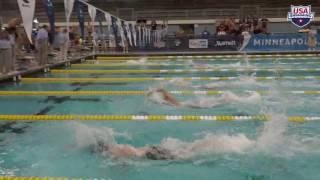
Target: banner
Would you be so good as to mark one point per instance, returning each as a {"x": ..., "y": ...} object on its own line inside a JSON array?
[
  {"x": 121, "y": 32},
  {"x": 115, "y": 29},
  {"x": 198, "y": 43},
  {"x": 134, "y": 33},
  {"x": 92, "y": 12},
  {"x": 27, "y": 8},
  {"x": 226, "y": 42},
  {"x": 50, "y": 13},
  {"x": 129, "y": 34},
  {"x": 279, "y": 42},
  {"x": 100, "y": 18},
  {"x": 68, "y": 6},
  {"x": 81, "y": 19},
  {"x": 109, "y": 21}
]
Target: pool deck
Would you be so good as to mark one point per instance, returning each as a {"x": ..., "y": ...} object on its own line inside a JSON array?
[{"x": 15, "y": 76}]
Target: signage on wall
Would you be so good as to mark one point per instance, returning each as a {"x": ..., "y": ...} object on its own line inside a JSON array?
[
  {"x": 198, "y": 43},
  {"x": 301, "y": 16}
]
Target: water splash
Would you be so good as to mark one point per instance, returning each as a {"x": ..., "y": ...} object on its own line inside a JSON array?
[{"x": 88, "y": 136}]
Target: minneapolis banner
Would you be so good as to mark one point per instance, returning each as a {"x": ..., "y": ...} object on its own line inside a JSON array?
[{"x": 279, "y": 42}]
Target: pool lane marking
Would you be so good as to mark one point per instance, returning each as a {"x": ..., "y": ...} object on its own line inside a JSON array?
[
  {"x": 148, "y": 118},
  {"x": 207, "y": 57},
  {"x": 93, "y": 64},
  {"x": 127, "y": 93},
  {"x": 95, "y": 80},
  {"x": 146, "y": 71}
]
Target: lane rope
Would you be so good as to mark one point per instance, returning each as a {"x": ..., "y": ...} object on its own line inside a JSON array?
[
  {"x": 148, "y": 118},
  {"x": 94, "y": 64},
  {"x": 108, "y": 93},
  {"x": 206, "y": 56},
  {"x": 96, "y": 80},
  {"x": 159, "y": 71}
]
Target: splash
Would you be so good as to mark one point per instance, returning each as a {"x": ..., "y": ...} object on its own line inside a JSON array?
[
  {"x": 209, "y": 144},
  {"x": 88, "y": 136},
  {"x": 141, "y": 61}
]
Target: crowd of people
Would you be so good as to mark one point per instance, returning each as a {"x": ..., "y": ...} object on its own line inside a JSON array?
[{"x": 251, "y": 24}]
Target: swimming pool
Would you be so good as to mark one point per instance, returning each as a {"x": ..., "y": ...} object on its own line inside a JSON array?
[{"x": 242, "y": 149}]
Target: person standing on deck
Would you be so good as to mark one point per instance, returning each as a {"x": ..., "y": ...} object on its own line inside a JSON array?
[
  {"x": 5, "y": 52},
  {"x": 42, "y": 45},
  {"x": 63, "y": 44}
]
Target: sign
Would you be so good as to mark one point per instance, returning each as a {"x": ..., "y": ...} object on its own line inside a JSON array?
[
  {"x": 226, "y": 42},
  {"x": 198, "y": 43},
  {"x": 27, "y": 8},
  {"x": 300, "y": 16},
  {"x": 279, "y": 42}
]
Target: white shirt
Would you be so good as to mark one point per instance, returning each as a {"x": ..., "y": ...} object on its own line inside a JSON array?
[{"x": 42, "y": 34}]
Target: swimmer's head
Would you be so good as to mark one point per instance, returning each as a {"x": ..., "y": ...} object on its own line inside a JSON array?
[{"x": 158, "y": 153}]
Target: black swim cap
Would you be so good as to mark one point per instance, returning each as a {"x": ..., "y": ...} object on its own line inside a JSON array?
[{"x": 158, "y": 153}]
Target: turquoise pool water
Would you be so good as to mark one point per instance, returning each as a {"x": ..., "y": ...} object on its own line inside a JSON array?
[{"x": 248, "y": 150}]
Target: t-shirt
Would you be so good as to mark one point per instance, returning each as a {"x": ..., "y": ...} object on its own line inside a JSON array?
[
  {"x": 63, "y": 38},
  {"x": 42, "y": 34},
  {"x": 5, "y": 44}
]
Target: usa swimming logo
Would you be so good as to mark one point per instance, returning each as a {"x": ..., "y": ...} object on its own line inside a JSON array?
[{"x": 300, "y": 15}]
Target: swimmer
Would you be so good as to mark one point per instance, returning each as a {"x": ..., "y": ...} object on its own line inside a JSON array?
[
  {"x": 128, "y": 151},
  {"x": 163, "y": 97},
  {"x": 175, "y": 149}
]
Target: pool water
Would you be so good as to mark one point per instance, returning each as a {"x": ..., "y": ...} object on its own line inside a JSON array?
[{"x": 248, "y": 150}]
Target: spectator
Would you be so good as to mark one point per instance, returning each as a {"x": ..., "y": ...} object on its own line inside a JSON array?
[
  {"x": 312, "y": 39},
  {"x": 63, "y": 44},
  {"x": 221, "y": 30},
  {"x": 5, "y": 52},
  {"x": 205, "y": 33},
  {"x": 42, "y": 45},
  {"x": 154, "y": 25}
]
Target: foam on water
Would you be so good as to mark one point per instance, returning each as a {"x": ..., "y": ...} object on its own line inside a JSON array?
[{"x": 141, "y": 61}]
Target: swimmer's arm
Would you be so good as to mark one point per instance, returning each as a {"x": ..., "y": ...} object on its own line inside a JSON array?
[{"x": 168, "y": 97}]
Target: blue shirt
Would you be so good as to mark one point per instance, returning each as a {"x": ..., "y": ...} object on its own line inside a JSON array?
[
  {"x": 42, "y": 34},
  {"x": 5, "y": 44}
]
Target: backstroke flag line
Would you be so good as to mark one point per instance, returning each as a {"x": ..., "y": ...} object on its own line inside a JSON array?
[{"x": 27, "y": 8}]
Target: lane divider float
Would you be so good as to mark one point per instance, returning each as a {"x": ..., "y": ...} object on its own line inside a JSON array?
[
  {"x": 147, "y": 118},
  {"x": 166, "y": 71},
  {"x": 121, "y": 64},
  {"x": 127, "y": 93},
  {"x": 100, "y": 80},
  {"x": 206, "y": 56}
]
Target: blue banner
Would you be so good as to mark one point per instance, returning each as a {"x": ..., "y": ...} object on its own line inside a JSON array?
[
  {"x": 280, "y": 42},
  {"x": 48, "y": 5},
  {"x": 80, "y": 14},
  {"x": 115, "y": 29}
]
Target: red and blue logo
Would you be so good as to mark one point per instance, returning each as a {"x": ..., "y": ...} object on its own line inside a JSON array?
[{"x": 300, "y": 16}]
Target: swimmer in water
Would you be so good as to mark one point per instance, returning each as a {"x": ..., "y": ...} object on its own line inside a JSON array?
[
  {"x": 162, "y": 96},
  {"x": 128, "y": 151}
]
